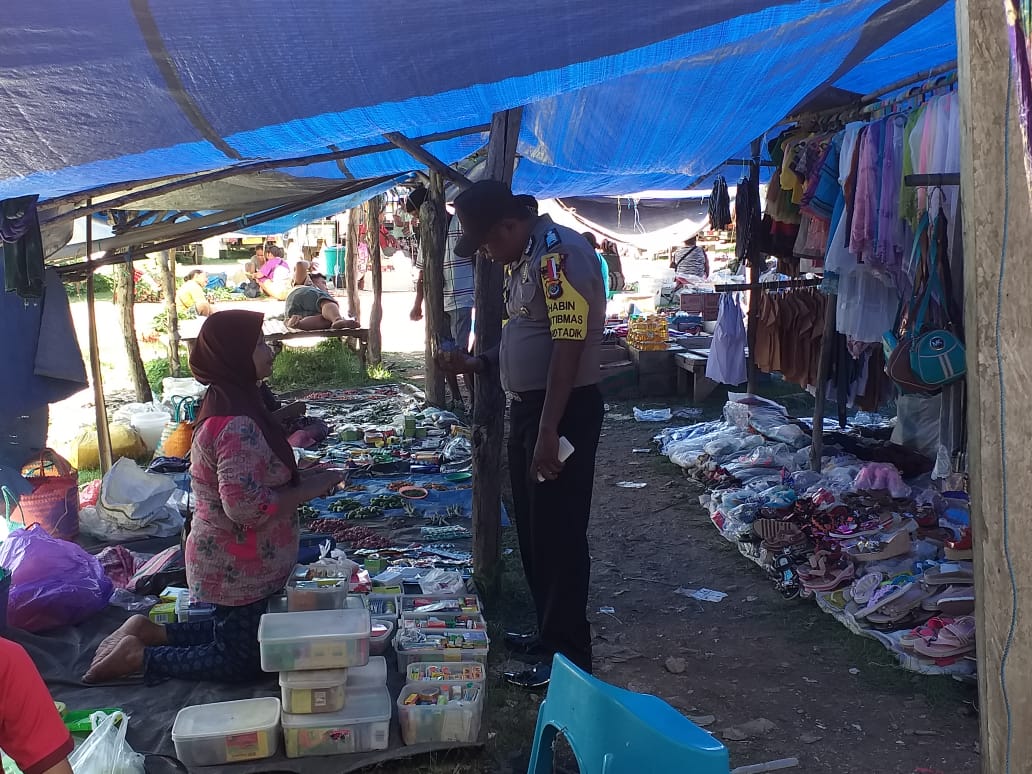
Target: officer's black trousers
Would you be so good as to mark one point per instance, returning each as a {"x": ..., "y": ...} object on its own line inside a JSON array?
[{"x": 552, "y": 519}]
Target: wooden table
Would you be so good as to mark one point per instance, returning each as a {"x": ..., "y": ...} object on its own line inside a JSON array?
[
  {"x": 691, "y": 365},
  {"x": 276, "y": 330}
]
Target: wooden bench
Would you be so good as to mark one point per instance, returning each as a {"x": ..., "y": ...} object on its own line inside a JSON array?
[
  {"x": 691, "y": 376},
  {"x": 692, "y": 365},
  {"x": 276, "y": 330}
]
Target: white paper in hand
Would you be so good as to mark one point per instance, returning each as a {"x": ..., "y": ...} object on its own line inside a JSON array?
[{"x": 565, "y": 450}]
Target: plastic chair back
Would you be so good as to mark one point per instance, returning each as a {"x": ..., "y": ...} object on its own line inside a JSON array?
[{"x": 614, "y": 731}]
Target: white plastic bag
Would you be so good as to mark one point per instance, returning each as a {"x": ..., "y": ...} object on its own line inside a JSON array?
[
  {"x": 105, "y": 751},
  {"x": 131, "y": 498}
]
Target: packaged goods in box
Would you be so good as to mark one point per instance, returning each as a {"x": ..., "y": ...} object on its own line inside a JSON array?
[
  {"x": 425, "y": 604},
  {"x": 425, "y": 671},
  {"x": 440, "y": 711},
  {"x": 450, "y": 620},
  {"x": 363, "y": 725},
  {"x": 319, "y": 639},
  {"x": 227, "y": 732},
  {"x": 319, "y": 690},
  {"x": 446, "y": 645}
]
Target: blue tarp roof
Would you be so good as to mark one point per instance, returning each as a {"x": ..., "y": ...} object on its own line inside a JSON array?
[{"x": 618, "y": 97}]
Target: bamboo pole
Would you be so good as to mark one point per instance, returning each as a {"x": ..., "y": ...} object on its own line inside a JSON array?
[
  {"x": 351, "y": 266},
  {"x": 99, "y": 404}
]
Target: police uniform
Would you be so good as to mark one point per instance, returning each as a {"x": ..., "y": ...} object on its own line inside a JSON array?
[{"x": 554, "y": 293}]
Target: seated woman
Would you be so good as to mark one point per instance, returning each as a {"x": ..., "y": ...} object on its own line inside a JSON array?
[
  {"x": 191, "y": 299},
  {"x": 243, "y": 541}
]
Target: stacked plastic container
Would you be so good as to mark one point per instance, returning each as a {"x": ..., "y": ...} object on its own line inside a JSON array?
[
  {"x": 334, "y": 696},
  {"x": 442, "y": 702},
  {"x": 441, "y": 629}
]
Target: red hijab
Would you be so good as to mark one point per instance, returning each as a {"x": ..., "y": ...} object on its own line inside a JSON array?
[{"x": 222, "y": 358}]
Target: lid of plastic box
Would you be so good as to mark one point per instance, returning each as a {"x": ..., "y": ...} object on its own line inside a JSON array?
[
  {"x": 314, "y": 625},
  {"x": 226, "y": 718}
]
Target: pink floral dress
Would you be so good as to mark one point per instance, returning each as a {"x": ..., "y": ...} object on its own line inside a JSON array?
[{"x": 242, "y": 546}]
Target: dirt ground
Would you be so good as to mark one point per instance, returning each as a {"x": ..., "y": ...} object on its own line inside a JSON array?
[{"x": 833, "y": 700}]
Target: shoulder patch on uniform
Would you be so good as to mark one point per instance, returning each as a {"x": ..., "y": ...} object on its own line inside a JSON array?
[
  {"x": 552, "y": 265},
  {"x": 552, "y": 238}
]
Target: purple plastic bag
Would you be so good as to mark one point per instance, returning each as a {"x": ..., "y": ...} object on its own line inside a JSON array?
[{"x": 55, "y": 583}]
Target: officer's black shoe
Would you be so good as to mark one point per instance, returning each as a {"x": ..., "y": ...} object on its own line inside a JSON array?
[
  {"x": 518, "y": 642},
  {"x": 532, "y": 678}
]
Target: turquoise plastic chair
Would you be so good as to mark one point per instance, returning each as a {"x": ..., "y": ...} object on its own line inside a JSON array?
[{"x": 613, "y": 731}]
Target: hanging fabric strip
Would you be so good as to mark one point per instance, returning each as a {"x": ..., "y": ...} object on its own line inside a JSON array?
[{"x": 1019, "y": 23}]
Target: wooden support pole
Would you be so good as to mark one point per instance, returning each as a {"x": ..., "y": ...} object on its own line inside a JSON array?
[
  {"x": 753, "y": 259},
  {"x": 998, "y": 305},
  {"x": 374, "y": 207},
  {"x": 125, "y": 300},
  {"x": 351, "y": 265},
  {"x": 99, "y": 404},
  {"x": 489, "y": 401},
  {"x": 422, "y": 155},
  {"x": 823, "y": 368},
  {"x": 167, "y": 266},
  {"x": 432, "y": 238}
]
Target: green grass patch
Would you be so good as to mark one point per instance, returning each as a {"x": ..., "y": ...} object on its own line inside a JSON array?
[
  {"x": 86, "y": 475},
  {"x": 327, "y": 365}
]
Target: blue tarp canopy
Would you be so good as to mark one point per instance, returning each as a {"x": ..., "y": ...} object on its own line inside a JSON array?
[{"x": 617, "y": 97}]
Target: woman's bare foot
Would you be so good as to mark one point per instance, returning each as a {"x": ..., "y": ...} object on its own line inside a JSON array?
[
  {"x": 125, "y": 659},
  {"x": 292, "y": 321},
  {"x": 343, "y": 323},
  {"x": 139, "y": 626}
]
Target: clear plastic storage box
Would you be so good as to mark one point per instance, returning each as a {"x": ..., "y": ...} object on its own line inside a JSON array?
[
  {"x": 319, "y": 639},
  {"x": 364, "y": 725},
  {"x": 320, "y": 690},
  {"x": 456, "y": 720},
  {"x": 372, "y": 675},
  {"x": 318, "y": 594},
  {"x": 433, "y": 646},
  {"x": 227, "y": 732}
]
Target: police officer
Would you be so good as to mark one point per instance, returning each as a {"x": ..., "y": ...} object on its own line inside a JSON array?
[{"x": 549, "y": 367}]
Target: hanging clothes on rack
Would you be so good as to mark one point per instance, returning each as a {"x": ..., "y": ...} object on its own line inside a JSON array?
[
  {"x": 726, "y": 363},
  {"x": 720, "y": 205}
]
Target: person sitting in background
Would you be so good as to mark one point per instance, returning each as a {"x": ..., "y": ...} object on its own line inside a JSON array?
[
  {"x": 274, "y": 275},
  {"x": 690, "y": 261},
  {"x": 243, "y": 540},
  {"x": 191, "y": 300},
  {"x": 31, "y": 730},
  {"x": 294, "y": 253}
]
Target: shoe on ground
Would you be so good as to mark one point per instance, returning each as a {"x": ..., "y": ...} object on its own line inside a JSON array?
[
  {"x": 520, "y": 642},
  {"x": 532, "y": 678}
]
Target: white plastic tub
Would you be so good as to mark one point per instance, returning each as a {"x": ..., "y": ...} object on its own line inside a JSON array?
[
  {"x": 458, "y": 720},
  {"x": 320, "y": 690},
  {"x": 380, "y": 636},
  {"x": 364, "y": 725},
  {"x": 372, "y": 675},
  {"x": 150, "y": 425},
  {"x": 227, "y": 732},
  {"x": 320, "y": 639}
]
